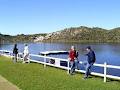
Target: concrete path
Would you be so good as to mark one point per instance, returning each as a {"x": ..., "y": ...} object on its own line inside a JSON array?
[{"x": 6, "y": 85}]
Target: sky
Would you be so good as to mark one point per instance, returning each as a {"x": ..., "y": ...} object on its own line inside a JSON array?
[{"x": 46, "y": 16}]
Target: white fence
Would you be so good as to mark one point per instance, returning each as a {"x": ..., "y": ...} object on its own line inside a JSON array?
[{"x": 57, "y": 64}]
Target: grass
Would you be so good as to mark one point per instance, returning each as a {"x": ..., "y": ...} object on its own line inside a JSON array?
[{"x": 35, "y": 77}]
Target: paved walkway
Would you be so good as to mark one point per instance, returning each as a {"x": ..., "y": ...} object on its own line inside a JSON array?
[{"x": 6, "y": 85}]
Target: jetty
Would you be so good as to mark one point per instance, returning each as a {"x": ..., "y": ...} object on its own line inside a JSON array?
[{"x": 53, "y": 52}]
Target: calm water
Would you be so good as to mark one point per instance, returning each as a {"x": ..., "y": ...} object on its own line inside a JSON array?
[{"x": 104, "y": 52}]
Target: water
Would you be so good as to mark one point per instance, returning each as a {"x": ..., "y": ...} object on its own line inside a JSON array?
[{"x": 109, "y": 53}]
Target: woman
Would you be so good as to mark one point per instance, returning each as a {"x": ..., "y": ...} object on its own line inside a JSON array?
[
  {"x": 15, "y": 53},
  {"x": 72, "y": 57}
]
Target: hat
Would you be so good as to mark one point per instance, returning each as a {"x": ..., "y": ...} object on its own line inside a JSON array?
[
  {"x": 26, "y": 44},
  {"x": 88, "y": 47}
]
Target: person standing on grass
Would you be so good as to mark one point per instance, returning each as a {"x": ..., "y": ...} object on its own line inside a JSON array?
[
  {"x": 15, "y": 53},
  {"x": 90, "y": 61},
  {"x": 26, "y": 54},
  {"x": 76, "y": 60},
  {"x": 72, "y": 57}
]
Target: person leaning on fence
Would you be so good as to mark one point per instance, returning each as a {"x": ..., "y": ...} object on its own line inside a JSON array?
[
  {"x": 26, "y": 54},
  {"x": 76, "y": 60},
  {"x": 15, "y": 53},
  {"x": 90, "y": 61},
  {"x": 72, "y": 57}
]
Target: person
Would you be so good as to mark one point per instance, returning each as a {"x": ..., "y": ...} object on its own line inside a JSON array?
[
  {"x": 76, "y": 60},
  {"x": 72, "y": 57},
  {"x": 15, "y": 53},
  {"x": 91, "y": 58},
  {"x": 26, "y": 54}
]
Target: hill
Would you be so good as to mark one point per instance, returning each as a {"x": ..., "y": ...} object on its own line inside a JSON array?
[
  {"x": 19, "y": 38},
  {"x": 84, "y": 34},
  {"x": 73, "y": 34},
  {"x": 5, "y": 38}
]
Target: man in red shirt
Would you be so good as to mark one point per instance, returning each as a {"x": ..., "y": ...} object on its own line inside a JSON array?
[{"x": 72, "y": 57}]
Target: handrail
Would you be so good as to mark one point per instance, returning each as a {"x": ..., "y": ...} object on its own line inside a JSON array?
[
  {"x": 47, "y": 57},
  {"x": 95, "y": 64}
]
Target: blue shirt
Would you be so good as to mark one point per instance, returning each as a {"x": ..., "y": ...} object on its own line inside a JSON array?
[{"x": 91, "y": 57}]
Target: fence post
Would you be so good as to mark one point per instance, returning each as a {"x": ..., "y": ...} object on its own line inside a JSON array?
[
  {"x": 105, "y": 71},
  {"x": 45, "y": 61},
  {"x": 68, "y": 67}
]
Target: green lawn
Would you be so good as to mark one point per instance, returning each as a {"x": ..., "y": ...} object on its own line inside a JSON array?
[{"x": 34, "y": 76}]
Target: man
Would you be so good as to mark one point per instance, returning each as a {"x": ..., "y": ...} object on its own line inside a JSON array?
[
  {"x": 26, "y": 54},
  {"x": 90, "y": 61},
  {"x": 72, "y": 57}
]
